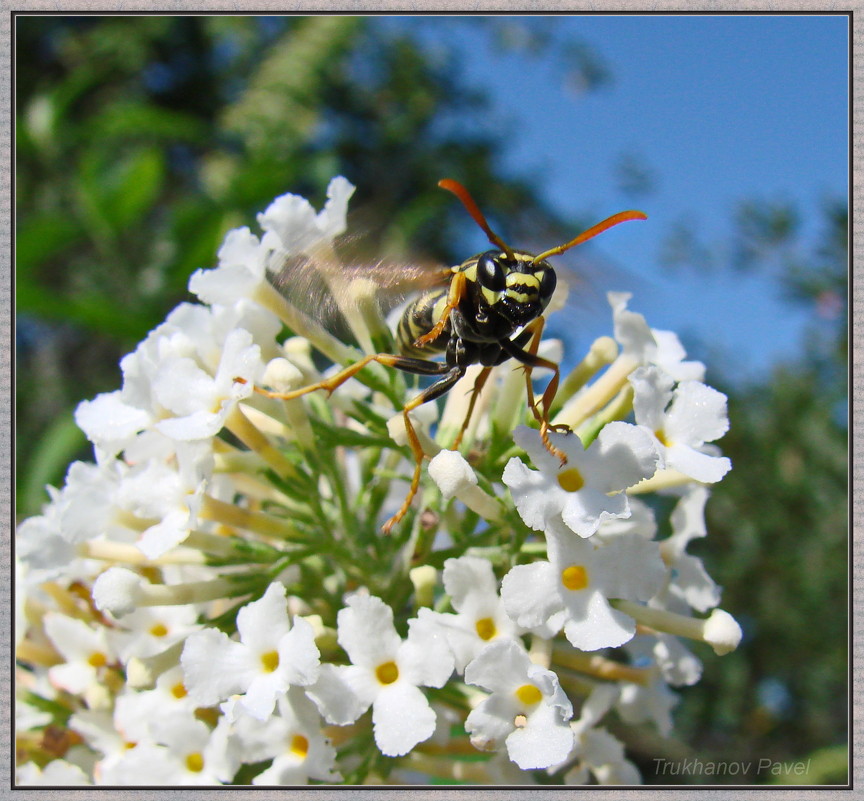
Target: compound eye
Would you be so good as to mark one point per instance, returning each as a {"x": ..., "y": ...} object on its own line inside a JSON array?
[
  {"x": 490, "y": 273},
  {"x": 548, "y": 283}
]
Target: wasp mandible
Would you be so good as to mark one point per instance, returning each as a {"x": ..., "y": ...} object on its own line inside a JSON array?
[{"x": 488, "y": 310}]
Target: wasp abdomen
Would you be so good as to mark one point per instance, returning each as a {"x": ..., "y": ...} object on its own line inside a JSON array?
[{"x": 418, "y": 319}]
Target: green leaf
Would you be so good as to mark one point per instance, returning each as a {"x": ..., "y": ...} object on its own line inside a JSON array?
[
  {"x": 94, "y": 311},
  {"x": 139, "y": 182},
  {"x": 117, "y": 195},
  {"x": 137, "y": 122},
  {"x": 43, "y": 236},
  {"x": 332, "y": 436}
]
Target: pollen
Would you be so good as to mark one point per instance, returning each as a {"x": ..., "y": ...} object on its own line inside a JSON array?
[
  {"x": 158, "y": 630},
  {"x": 194, "y": 762},
  {"x": 485, "y": 628},
  {"x": 270, "y": 661},
  {"x": 299, "y": 746},
  {"x": 387, "y": 672},
  {"x": 179, "y": 690},
  {"x": 574, "y": 577},
  {"x": 528, "y": 694},
  {"x": 571, "y": 480},
  {"x": 97, "y": 659}
]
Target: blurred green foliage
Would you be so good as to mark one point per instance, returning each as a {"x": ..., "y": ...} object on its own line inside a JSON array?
[{"x": 142, "y": 140}]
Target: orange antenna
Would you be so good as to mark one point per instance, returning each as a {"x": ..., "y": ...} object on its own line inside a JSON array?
[
  {"x": 621, "y": 216},
  {"x": 468, "y": 202}
]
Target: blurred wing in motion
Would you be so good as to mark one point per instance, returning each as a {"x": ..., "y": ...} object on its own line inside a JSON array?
[{"x": 333, "y": 289}]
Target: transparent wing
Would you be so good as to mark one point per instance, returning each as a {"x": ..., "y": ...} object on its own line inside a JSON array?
[{"x": 330, "y": 284}]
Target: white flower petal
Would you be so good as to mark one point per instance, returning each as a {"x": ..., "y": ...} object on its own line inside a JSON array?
[
  {"x": 343, "y": 693},
  {"x": 622, "y": 455},
  {"x": 401, "y": 718},
  {"x": 603, "y": 626},
  {"x": 699, "y": 466},
  {"x": 545, "y": 740},
  {"x": 366, "y": 631},
  {"x": 697, "y": 414},
  {"x": 528, "y": 594}
]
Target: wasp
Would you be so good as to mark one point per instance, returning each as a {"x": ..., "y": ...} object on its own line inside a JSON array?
[{"x": 486, "y": 310}]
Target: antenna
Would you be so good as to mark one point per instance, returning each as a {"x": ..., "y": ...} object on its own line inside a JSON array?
[
  {"x": 621, "y": 216},
  {"x": 468, "y": 202}
]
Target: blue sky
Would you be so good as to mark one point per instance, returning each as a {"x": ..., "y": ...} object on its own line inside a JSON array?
[{"x": 722, "y": 108}]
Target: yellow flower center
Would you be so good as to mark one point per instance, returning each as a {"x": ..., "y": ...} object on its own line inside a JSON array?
[
  {"x": 571, "y": 480},
  {"x": 195, "y": 762},
  {"x": 299, "y": 746},
  {"x": 574, "y": 577},
  {"x": 178, "y": 690},
  {"x": 387, "y": 672},
  {"x": 270, "y": 661},
  {"x": 97, "y": 659},
  {"x": 528, "y": 694},
  {"x": 485, "y": 628},
  {"x": 158, "y": 630}
]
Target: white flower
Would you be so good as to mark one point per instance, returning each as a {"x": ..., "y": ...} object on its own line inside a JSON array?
[
  {"x": 200, "y": 401},
  {"x": 242, "y": 267},
  {"x": 270, "y": 656},
  {"x": 527, "y": 710},
  {"x": 481, "y": 618},
  {"x": 678, "y": 666},
  {"x": 186, "y": 752},
  {"x": 670, "y": 357},
  {"x": 689, "y": 583},
  {"x": 386, "y": 673},
  {"x": 644, "y": 345},
  {"x": 292, "y": 739},
  {"x": 682, "y": 421},
  {"x": 598, "y": 752},
  {"x": 293, "y": 227},
  {"x": 637, "y": 703},
  {"x": 586, "y": 490},
  {"x": 152, "y": 629},
  {"x": 572, "y": 589},
  {"x": 58, "y": 773},
  {"x": 135, "y": 712},
  {"x": 86, "y": 651}
]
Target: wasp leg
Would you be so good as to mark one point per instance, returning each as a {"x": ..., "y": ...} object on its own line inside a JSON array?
[
  {"x": 404, "y": 363},
  {"x": 430, "y": 393},
  {"x": 454, "y": 296},
  {"x": 450, "y": 375},
  {"x": 530, "y": 359},
  {"x": 479, "y": 382}
]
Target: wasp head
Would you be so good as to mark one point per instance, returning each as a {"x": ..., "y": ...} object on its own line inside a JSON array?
[{"x": 514, "y": 286}]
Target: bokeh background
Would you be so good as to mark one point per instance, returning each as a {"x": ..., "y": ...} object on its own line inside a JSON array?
[{"x": 140, "y": 140}]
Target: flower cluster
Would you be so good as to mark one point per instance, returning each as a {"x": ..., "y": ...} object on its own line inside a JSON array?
[{"x": 210, "y": 601}]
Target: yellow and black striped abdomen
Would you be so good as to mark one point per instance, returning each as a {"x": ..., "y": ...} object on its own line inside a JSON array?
[{"x": 418, "y": 319}]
